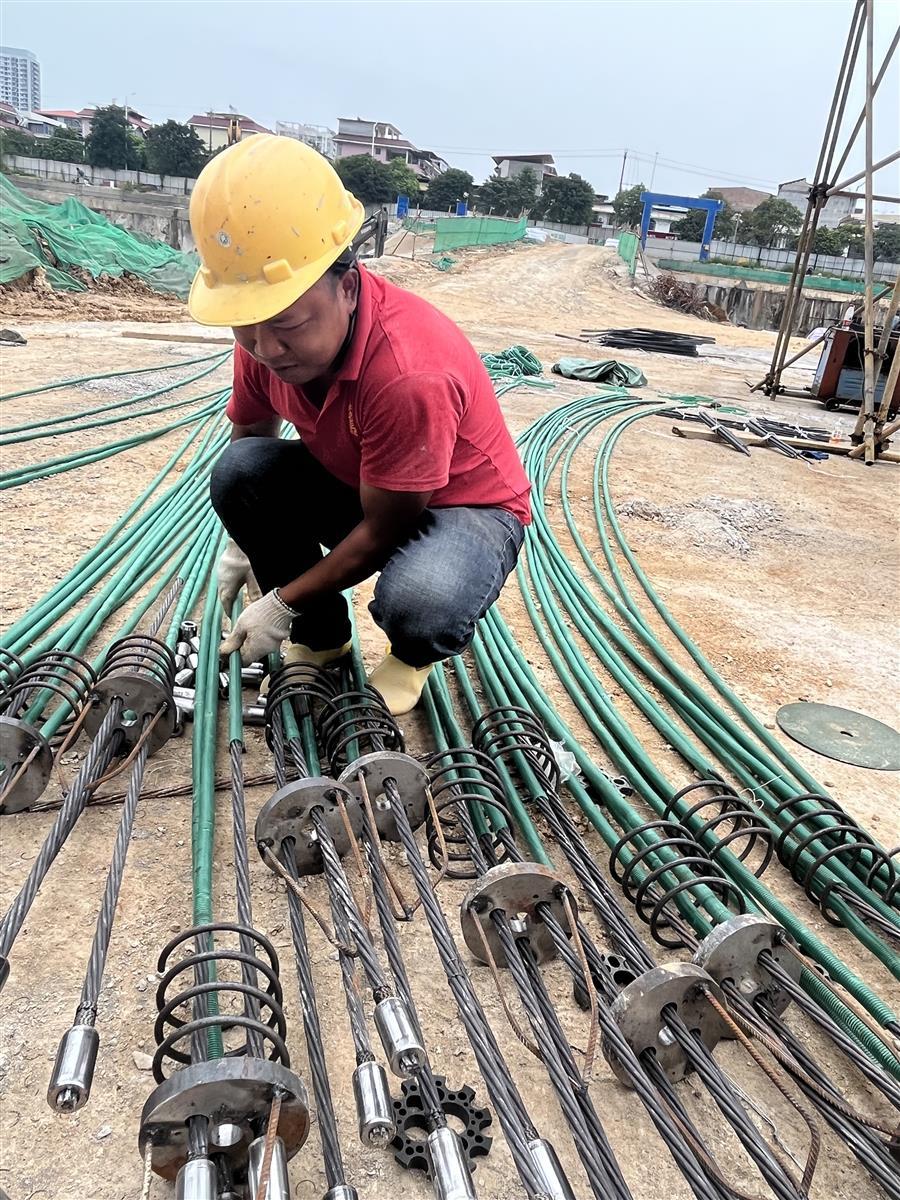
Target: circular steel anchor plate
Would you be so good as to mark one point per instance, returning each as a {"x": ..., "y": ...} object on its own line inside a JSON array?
[
  {"x": 18, "y": 739},
  {"x": 638, "y": 1011},
  {"x": 142, "y": 696},
  {"x": 287, "y": 815},
  {"x": 842, "y": 734},
  {"x": 731, "y": 953},
  {"x": 516, "y": 889},
  {"x": 412, "y": 781},
  {"x": 229, "y": 1092}
]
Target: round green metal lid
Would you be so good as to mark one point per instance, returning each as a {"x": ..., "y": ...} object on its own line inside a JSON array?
[{"x": 842, "y": 734}]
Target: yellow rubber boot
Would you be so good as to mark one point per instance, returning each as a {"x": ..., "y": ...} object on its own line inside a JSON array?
[
  {"x": 298, "y": 653},
  {"x": 400, "y": 685}
]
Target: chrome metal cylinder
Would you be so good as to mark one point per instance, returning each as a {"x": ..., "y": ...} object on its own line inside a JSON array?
[
  {"x": 73, "y": 1071},
  {"x": 223, "y": 683},
  {"x": 341, "y": 1191},
  {"x": 399, "y": 1036},
  {"x": 193, "y": 660},
  {"x": 374, "y": 1107},
  {"x": 182, "y": 650},
  {"x": 253, "y": 675},
  {"x": 279, "y": 1186},
  {"x": 187, "y": 631},
  {"x": 254, "y": 714},
  {"x": 549, "y": 1171},
  {"x": 450, "y": 1176},
  {"x": 184, "y": 678},
  {"x": 196, "y": 1180}
]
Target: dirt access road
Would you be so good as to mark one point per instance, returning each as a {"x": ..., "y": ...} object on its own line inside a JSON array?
[{"x": 787, "y": 575}]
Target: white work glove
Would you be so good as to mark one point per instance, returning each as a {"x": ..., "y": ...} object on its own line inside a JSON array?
[
  {"x": 260, "y": 629},
  {"x": 233, "y": 572}
]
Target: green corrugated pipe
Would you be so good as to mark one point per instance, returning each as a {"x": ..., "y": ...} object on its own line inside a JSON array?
[
  {"x": 46, "y": 424},
  {"x": 74, "y": 381}
]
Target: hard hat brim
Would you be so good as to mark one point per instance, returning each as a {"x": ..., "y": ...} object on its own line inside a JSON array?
[{"x": 254, "y": 301}]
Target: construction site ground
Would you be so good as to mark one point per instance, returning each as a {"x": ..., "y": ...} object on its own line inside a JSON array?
[{"x": 787, "y": 575}]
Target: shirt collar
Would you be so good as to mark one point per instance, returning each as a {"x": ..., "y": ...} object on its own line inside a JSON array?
[{"x": 353, "y": 360}]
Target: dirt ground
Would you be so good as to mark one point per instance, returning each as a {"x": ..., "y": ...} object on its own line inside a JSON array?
[{"x": 787, "y": 575}]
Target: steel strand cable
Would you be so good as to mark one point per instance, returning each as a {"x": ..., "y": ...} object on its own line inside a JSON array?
[
  {"x": 588, "y": 1135},
  {"x": 315, "y": 1043},
  {"x": 517, "y": 1126},
  {"x": 100, "y": 754}
]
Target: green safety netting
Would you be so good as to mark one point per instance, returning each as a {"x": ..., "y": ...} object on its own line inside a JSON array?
[
  {"x": 58, "y": 236},
  {"x": 607, "y": 370},
  {"x": 455, "y": 232}
]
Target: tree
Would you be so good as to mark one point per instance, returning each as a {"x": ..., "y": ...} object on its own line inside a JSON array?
[
  {"x": 444, "y": 190},
  {"x": 64, "y": 145},
  {"x": 174, "y": 149},
  {"x": 404, "y": 181},
  {"x": 368, "y": 179},
  {"x": 770, "y": 222},
  {"x": 17, "y": 141},
  {"x": 508, "y": 197},
  {"x": 855, "y": 234},
  {"x": 830, "y": 241},
  {"x": 627, "y": 206},
  {"x": 110, "y": 142},
  {"x": 887, "y": 243},
  {"x": 568, "y": 199},
  {"x": 691, "y": 227}
]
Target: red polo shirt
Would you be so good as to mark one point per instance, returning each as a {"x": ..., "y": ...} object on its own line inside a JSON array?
[{"x": 411, "y": 408}]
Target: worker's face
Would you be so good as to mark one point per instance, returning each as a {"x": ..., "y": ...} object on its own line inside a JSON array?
[{"x": 301, "y": 343}]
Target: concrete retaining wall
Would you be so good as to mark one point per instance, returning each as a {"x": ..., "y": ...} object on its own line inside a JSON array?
[{"x": 159, "y": 216}]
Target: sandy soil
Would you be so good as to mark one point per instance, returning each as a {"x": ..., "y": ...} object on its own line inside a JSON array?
[{"x": 787, "y": 576}]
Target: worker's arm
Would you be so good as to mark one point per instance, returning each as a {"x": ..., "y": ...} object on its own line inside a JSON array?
[
  {"x": 388, "y": 518},
  {"x": 271, "y": 427}
]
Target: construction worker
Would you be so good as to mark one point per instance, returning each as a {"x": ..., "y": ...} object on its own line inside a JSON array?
[{"x": 403, "y": 466}]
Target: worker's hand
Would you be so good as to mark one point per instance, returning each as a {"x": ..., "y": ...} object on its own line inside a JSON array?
[
  {"x": 233, "y": 572},
  {"x": 260, "y": 629}
]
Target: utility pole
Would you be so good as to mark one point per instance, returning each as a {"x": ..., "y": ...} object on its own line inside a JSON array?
[
  {"x": 653, "y": 172},
  {"x": 210, "y": 115},
  {"x": 622, "y": 172}
]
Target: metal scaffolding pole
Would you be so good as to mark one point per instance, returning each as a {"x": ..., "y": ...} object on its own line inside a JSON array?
[{"x": 827, "y": 183}]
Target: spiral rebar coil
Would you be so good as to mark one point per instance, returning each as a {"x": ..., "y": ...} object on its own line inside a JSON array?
[
  {"x": 729, "y": 816},
  {"x": 654, "y": 889},
  {"x": 462, "y": 775},
  {"x": 179, "y": 1036},
  {"x": 11, "y": 667},
  {"x": 67, "y": 676},
  {"x": 358, "y": 719},
  {"x": 505, "y": 731},
  {"x": 844, "y": 840}
]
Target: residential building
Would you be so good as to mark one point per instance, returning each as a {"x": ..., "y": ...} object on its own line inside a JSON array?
[
  {"x": 320, "y": 137},
  {"x": 508, "y": 166},
  {"x": 9, "y": 117},
  {"x": 741, "y": 199},
  {"x": 662, "y": 216},
  {"x": 66, "y": 116},
  {"x": 384, "y": 142},
  {"x": 137, "y": 121},
  {"x": 835, "y": 210},
  {"x": 20, "y": 78},
  {"x": 212, "y": 127},
  {"x": 39, "y": 124}
]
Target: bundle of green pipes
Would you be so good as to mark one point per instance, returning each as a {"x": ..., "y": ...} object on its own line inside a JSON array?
[
  {"x": 168, "y": 529},
  {"x": 510, "y": 368},
  {"x": 114, "y": 413},
  {"x": 555, "y": 597}
]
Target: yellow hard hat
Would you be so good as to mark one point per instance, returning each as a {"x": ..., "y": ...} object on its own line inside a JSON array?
[{"x": 269, "y": 216}]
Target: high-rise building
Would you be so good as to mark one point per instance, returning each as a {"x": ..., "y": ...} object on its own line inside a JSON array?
[{"x": 20, "y": 79}]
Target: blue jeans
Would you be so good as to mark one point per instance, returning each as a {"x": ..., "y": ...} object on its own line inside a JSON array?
[{"x": 281, "y": 506}]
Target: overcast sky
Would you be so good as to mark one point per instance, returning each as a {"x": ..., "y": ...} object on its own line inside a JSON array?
[{"x": 729, "y": 92}]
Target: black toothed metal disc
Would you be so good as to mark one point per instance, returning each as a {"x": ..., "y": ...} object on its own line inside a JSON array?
[{"x": 409, "y": 1113}]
